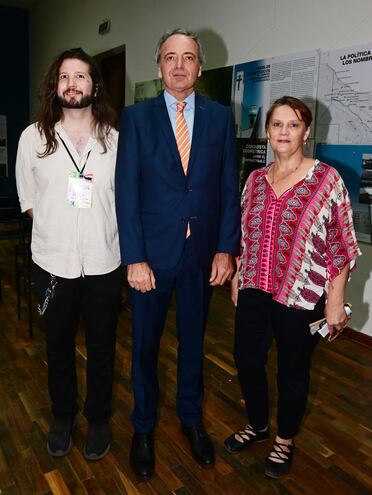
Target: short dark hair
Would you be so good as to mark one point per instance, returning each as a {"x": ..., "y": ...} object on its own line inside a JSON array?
[
  {"x": 185, "y": 32},
  {"x": 300, "y": 108},
  {"x": 50, "y": 110}
]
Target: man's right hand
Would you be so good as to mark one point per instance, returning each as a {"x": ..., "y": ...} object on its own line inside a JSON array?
[{"x": 141, "y": 277}]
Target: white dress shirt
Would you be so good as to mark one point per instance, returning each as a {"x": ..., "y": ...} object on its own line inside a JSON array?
[{"x": 69, "y": 242}]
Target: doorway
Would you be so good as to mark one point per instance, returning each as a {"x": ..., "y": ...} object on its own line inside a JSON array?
[{"x": 112, "y": 65}]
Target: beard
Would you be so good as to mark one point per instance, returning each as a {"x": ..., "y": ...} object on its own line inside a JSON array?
[{"x": 84, "y": 102}]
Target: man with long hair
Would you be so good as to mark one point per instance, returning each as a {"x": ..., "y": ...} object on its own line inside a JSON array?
[{"x": 65, "y": 179}]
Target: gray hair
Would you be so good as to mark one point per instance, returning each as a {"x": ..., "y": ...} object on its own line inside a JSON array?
[{"x": 185, "y": 32}]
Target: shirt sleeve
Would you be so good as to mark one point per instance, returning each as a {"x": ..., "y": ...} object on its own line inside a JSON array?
[
  {"x": 24, "y": 175},
  {"x": 341, "y": 243}
]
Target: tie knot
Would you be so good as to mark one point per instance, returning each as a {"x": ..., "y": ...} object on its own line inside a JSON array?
[{"x": 181, "y": 105}]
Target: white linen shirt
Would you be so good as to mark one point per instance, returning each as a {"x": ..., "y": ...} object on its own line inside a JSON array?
[{"x": 69, "y": 242}]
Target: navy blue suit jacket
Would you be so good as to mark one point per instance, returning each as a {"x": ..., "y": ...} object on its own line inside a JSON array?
[{"x": 155, "y": 200}]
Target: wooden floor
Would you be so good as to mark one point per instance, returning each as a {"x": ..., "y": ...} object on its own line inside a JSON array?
[{"x": 334, "y": 447}]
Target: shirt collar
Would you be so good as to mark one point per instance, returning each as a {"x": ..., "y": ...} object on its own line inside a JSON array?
[
  {"x": 92, "y": 141},
  {"x": 308, "y": 175},
  {"x": 59, "y": 128},
  {"x": 171, "y": 101}
]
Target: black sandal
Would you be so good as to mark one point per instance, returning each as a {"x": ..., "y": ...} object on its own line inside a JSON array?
[
  {"x": 279, "y": 460},
  {"x": 244, "y": 438}
]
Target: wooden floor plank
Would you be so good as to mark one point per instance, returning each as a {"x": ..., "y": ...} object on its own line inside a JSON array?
[{"x": 56, "y": 483}]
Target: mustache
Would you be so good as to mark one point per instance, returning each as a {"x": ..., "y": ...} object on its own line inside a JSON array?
[{"x": 77, "y": 92}]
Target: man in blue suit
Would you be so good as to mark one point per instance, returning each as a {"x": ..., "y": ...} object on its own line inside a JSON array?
[{"x": 178, "y": 214}]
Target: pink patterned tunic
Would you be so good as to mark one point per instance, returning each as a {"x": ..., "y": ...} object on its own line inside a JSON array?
[{"x": 294, "y": 245}]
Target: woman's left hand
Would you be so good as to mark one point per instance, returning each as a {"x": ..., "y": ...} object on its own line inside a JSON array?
[
  {"x": 334, "y": 309},
  {"x": 336, "y": 317}
]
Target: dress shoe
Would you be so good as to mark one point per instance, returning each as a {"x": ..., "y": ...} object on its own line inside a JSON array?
[
  {"x": 59, "y": 441},
  {"x": 242, "y": 439},
  {"x": 142, "y": 457},
  {"x": 201, "y": 445},
  {"x": 98, "y": 441},
  {"x": 279, "y": 461}
]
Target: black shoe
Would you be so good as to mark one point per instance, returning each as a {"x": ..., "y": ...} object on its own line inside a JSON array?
[
  {"x": 59, "y": 441},
  {"x": 201, "y": 445},
  {"x": 244, "y": 438},
  {"x": 279, "y": 460},
  {"x": 98, "y": 441},
  {"x": 142, "y": 458}
]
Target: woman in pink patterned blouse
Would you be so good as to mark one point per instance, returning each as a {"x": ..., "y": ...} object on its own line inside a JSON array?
[{"x": 298, "y": 246}]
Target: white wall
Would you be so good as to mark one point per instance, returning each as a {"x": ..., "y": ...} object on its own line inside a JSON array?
[
  {"x": 359, "y": 291},
  {"x": 233, "y": 31}
]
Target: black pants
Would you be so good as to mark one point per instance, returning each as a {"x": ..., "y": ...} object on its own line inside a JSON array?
[
  {"x": 96, "y": 298},
  {"x": 259, "y": 319}
]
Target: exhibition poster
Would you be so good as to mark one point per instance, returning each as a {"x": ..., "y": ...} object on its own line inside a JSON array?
[
  {"x": 344, "y": 126},
  {"x": 255, "y": 86}
]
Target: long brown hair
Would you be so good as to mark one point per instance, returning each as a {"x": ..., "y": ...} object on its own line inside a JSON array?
[{"x": 50, "y": 110}]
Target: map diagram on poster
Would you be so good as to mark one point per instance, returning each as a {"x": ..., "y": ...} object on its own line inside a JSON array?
[{"x": 345, "y": 96}]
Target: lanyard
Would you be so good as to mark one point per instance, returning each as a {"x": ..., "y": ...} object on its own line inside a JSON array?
[{"x": 81, "y": 172}]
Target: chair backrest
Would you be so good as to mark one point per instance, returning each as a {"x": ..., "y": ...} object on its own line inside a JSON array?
[
  {"x": 9, "y": 201},
  {"x": 11, "y": 222},
  {"x": 10, "y": 214}
]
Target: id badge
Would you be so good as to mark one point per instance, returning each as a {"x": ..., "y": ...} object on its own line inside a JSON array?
[{"x": 79, "y": 192}]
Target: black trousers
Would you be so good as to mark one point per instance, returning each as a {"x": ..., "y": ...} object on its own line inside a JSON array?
[
  {"x": 259, "y": 320},
  {"x": 96, "y": 299}
]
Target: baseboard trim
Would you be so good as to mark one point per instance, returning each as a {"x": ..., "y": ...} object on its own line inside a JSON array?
[{"x": 359, "y": 337}]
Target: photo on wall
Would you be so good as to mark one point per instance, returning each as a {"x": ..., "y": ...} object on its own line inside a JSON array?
[
  {"x": 147, "y": 89},
  {"x": 354, "y": 163},
  {"x": 215, "y": 84}
]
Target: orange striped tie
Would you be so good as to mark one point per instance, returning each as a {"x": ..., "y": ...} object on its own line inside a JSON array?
[
  {"x": 182, "y": 136},
  {"x": 183, "y": 143}
]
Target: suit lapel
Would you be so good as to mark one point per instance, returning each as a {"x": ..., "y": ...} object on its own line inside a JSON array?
[
  {"x": 164, "y": 124},
  {"x": 162, "y": 118},
  {"x": 200, "y": 118}
]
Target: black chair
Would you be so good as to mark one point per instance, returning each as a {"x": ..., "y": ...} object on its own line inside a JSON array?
[
  {"x": 11, "y": 223},
  {"x": 24, "y": 272},
  {"x": 9, "y": 201},
  {"x": 17, "y": 226}
]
